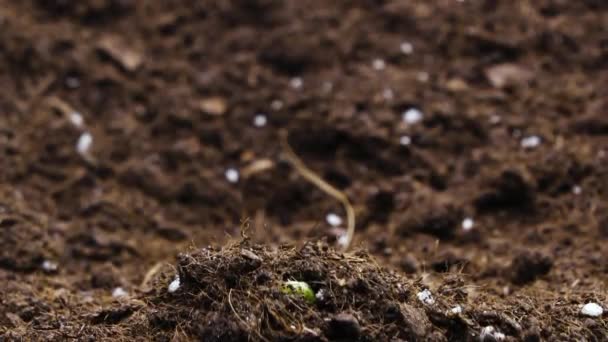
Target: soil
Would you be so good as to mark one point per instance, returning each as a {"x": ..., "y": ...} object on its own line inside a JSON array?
[{"x": 487, "y": 219}]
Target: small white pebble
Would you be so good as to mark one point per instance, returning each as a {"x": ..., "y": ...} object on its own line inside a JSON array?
[
  {"x": 320, "y": 295},
  {"x": 260, "y": 120},
  {"x": 467, "y": 224},
  {"x": 422, "y": 76},
  {"x": 76, "y": 119},
  {"x": 456, "y": 310},
  {"x": 232, "y": 175},
  {"x": 296, "y": 83},
  {"x": 426, "y": 297},
  {"x": 412, "y": 116},
  {"x": 530, "y": 142},
  {"x": 489, "y": 333},
  {"x": 405, "y": 140},
  {"x": 49, "y": 266},
  {"x": 174, "y": 286},
  {"x": 378, "y": 64},
  {"x": 119, "y": 292},
  {"x": 388, "y": 94},
  {"x": 406, "y": 48},
  {"x": 72, "y": 82},
  {"x": 577, "y": 190},
  {"x": 495, "y": 119},
  {"x": 84, "y": 143},
  {"x": 342, "y": 240},
  {"x": 333, "y": 219},
  {"x": 276, "y": 104},
  {"x": 592, "y": 310}
]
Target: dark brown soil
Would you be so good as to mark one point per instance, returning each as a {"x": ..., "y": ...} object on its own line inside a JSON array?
[{"x": 513, "y": 141}]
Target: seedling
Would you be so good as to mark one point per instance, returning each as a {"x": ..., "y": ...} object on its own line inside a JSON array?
[{"x": 299, "y": 288}]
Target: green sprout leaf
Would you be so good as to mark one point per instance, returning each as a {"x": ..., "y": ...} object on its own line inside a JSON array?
[{"x": 299, "y": 288}]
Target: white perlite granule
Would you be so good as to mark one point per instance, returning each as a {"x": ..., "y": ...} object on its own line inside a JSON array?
[
  {"x": 530, "y": 142},
  {"x": 412, "y": 116},
  {"x": 426, "y": 297},
  {"x": 174, "y": 286},
  {"x": 84, "y": 143},
  {"x": 232, "y": 175},
  {"x": 592, "y": 310},
  {"x": 333, "y": 219}
]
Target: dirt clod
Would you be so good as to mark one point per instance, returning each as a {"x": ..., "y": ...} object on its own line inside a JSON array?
[
  {"x": 529, "y": 265},
  {"x": 343, "y": 327}
]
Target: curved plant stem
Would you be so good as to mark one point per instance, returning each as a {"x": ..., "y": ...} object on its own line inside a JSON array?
[{"x": 329, "y": 189}]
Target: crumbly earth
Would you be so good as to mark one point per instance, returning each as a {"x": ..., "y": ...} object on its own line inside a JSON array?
[{"x": 495, "y": 201}]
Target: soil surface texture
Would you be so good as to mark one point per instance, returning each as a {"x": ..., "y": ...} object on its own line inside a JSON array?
[{"x": 146, "y": 191}]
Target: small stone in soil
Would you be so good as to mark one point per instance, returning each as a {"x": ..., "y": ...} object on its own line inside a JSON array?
[
  {"x": 530, "y": 142},
  {"x": 84, "y": 143},
  {"x": 592, "y": 310},
  {"x": 296, "y": 83},
  {"x": 76, "y": 119},
  {"x": 456, "y": 310},
  {"x": 426, "y": 297},
  {"x": 412, "y": 116},
  {"x": 119, "y": 292},
  {"x": 490, "y": 334},
  {"x": 49, "y": 266},
  {"x": 343, "y": 326},
  {"x": 333, "y": 219},
  {"x": 260, "y": 120},
  {"x": 406, "y": 48},
  {"x": 495, "y": 119},
  {"x": 343, "y": 240},
  {"x": 528, "y": 266},
  {"x": 422, "y": 76},
  {"x": 405, "y": 140},
  {"x": 388, "y": 94},
  {"x": 378, "y": 64},
  {"x": 174, "y": 285},
  {"x": 276, "y": 104},
  {"x": 232, "y": 175},
  {"x": 72, "y": 82},
  {"x": 467, "y": 224}
]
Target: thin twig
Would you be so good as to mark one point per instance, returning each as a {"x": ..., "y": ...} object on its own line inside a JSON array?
[{"x": 329, "y": 189}]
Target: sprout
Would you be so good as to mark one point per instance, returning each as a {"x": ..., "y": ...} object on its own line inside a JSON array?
[{"x": 299, "y": 288}]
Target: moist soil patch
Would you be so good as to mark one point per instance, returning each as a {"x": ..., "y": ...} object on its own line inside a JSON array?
[{"x": 144, "y": 193}]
